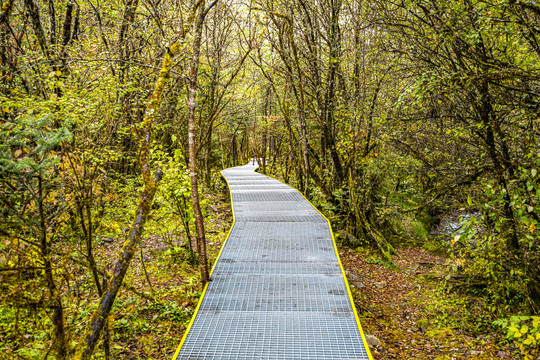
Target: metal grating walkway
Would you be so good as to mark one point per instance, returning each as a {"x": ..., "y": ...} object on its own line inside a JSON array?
[{"x": 277, "y": 289}]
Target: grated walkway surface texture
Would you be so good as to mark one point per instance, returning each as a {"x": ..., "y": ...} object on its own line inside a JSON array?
[{"x": 277, "y": 290}]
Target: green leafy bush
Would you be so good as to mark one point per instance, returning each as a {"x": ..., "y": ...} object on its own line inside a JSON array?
[
  {"x": 523, "y": 331},
  {"x": 501, "y": 253}
]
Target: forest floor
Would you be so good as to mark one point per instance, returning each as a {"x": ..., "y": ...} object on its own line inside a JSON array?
[{"x": 408, "y": 309}]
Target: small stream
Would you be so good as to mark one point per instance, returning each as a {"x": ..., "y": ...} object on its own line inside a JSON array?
[{"x": 452, "y": 224}]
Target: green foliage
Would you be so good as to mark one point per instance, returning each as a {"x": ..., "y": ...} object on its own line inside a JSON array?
[
  {"x": 435, "y": 246},
  {"x": 420, "y": 230},
  {"x": 26, "y": 144},
  {"x": 31, "y": 201},
  {"x": 447, "y": 311},
  {"x": 523, "y": 331},
  {"x": 504, "y": 273},
  {"x": 321, "y": 202},
  {"x": 381, "y": 260},
  {"x": 175, "y": 192},
  {"x": 174, "y": 312},
  {"x": 180, "y": 254}
]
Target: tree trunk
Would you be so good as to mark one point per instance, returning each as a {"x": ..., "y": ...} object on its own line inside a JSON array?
[
  {"x": 192, "y": 149},
  {"x": 265, "y": 128},
  {"x": 52, "y": 15},
  {"x": 60, "y": 337},
  {"x": 487, "y": 117},
  {"x": 127, "y": 20},
  {"x": 33, "y": 13},
  {"x": 328, "y": 120},
  {"x": 66, "y": 34}
]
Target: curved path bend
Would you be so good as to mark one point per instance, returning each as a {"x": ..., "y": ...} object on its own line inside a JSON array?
[{"x": 278, "y": 290}]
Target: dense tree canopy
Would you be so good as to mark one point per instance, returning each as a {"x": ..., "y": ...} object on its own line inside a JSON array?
[{"x": 389, "y": 115}]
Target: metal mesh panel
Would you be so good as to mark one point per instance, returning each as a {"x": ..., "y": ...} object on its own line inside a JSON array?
[
  {"x": 243, "y": 196},
  {"x": 277, "y": 291},
  {"x": 273, "y": 335},
  {"x": 277, "y": 268},
  {"x": 275, "y": 206}
]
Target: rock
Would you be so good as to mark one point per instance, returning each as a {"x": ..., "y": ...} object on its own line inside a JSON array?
[
  {"x": 476, "y": 352},
  {"x": 372, "y": 341},
  {"x": 503, "y": 354},
  {"x": 353, "y": 276},
  {"x": 380, "y": 285}
]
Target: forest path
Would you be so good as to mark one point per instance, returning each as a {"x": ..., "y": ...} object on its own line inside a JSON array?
[{"x": 278, "y": 289}]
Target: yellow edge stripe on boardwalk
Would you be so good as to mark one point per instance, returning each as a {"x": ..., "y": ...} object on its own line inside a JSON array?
[
  {"x": 177, "y": 352},
  {"x": 366, "y": 346}
]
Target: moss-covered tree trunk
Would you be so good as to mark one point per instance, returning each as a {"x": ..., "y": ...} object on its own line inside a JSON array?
[{"x": 101, "y": 314}]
